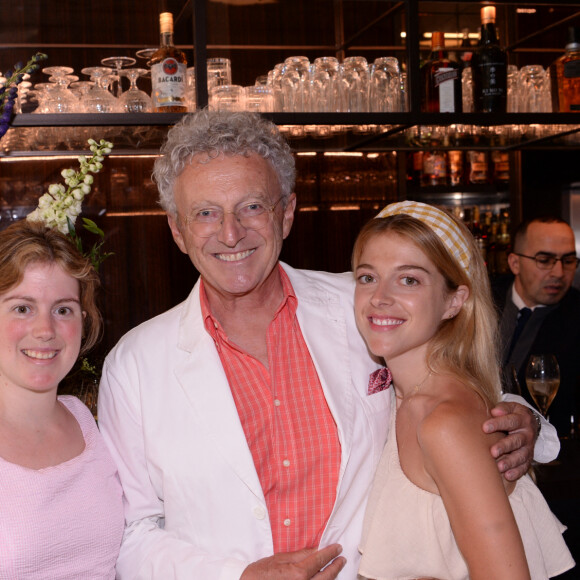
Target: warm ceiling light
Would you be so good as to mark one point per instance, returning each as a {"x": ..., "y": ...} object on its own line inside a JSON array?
[{"x": 526, "y": 10}]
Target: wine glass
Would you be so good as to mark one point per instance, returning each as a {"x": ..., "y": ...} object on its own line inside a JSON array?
[
  {"x": 543, "y": 380},
  {"x": 60, "y": 99},
  {"x": 118, "y": 62},
  {"x": 134, "y": 100},
  {"x": 99, "y": 99}
]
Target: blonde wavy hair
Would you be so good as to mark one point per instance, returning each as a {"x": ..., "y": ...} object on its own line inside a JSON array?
[{"x": 466, "y": 345}]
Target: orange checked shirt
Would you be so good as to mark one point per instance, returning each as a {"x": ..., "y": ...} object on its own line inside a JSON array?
[{"x": 290, "y": 431}]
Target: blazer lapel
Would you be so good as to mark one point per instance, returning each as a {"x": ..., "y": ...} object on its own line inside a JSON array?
[{"x": 200, "y": 373}]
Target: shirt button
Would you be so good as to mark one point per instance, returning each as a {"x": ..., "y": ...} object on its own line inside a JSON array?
[
  {"x": 277, "y": 402},
  {"x": 259, "y": 512},
  {"x": 287, "y": 522},
  {"x": 286, "y": 463}
]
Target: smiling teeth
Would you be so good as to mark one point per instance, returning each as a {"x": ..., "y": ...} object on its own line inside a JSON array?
[
  {"x": 234, "y": 257},
  {"x": 386, "y": 322},
  {"x": 39, "y": 354}
]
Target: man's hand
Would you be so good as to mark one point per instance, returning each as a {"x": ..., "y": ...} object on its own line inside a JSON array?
[
  {"x": 515, "y": 452},
  {"x": 301, "y": 565}
]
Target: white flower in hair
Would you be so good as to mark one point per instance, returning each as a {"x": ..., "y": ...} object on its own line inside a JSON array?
[{"x": 60, "y": 206}]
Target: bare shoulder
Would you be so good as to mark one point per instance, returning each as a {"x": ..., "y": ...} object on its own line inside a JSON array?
[{"x": 454, "y": 421}]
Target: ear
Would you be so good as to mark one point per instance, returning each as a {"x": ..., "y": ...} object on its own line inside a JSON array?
[
  {"x": 289, "y": 215},
  {"x": 514, "y": 263},
  {"x": 176, "y": 232},
  {"x": 456, "y": 301}
]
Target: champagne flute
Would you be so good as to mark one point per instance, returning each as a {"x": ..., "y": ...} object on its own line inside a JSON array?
[{"x": 543, "y": 380}]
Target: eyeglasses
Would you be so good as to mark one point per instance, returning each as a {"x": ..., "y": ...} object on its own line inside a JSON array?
[
  {"x": 548, "y": 261},
  {"x": 207, "y": 221}
]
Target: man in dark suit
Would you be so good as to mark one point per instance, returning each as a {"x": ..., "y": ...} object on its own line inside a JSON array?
[{"x": 541, "y": 312}]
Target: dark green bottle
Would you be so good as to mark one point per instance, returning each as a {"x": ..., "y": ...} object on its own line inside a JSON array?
[{"x": 489, "y": 66}]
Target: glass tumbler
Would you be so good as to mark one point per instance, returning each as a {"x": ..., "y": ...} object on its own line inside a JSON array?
[
  {"x": 533, "y": 90},
  {"x": 385, "y": 85},
  {"x": 219, "y": 72},
  {"x": 355, "y": 79},
  {"x": 324, "y": 85},
  {"x": 295, "y": 84},
  {"x": 259, "y": 99},
  {"x": 227, "y": 98}
]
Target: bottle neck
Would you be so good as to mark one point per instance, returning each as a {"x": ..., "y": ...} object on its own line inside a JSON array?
[
  {"x": 166, "y": 39},
  {"x": 488, "y": 33}
]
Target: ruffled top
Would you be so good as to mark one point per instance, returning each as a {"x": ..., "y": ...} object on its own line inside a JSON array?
[{"x": 407, "y": 534}]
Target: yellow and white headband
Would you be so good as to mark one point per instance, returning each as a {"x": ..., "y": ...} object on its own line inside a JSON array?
[{"x": 440, "y": 222}]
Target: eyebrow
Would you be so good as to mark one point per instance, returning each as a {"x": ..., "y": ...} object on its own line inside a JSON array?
[
  {"x": 551, "y": 254},
  {"x": 31, "y": 299},
  {"x": 399, "y": 268}
]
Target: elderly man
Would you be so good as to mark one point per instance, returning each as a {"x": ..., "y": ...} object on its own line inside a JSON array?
[
  {"x": 241, "y": 420},
  {"x": 542, "y": 310}
]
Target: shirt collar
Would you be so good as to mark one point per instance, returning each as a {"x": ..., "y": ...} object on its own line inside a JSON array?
[
  {"x": 519, "y": 302},
  {"x": 212, "y": 325}
]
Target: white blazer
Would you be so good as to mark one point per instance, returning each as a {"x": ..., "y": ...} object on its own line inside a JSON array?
[{"x": 193, "y": 502}]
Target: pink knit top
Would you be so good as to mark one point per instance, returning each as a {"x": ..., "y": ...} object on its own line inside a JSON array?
[{"x": 66, "y": 521}]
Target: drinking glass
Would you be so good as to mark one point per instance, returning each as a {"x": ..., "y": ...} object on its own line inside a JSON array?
[
  {"x": 355, "y": 79},
  {"x": 98, "y": 98},
  {"x": 324, "y": 85},
  {"x": 259, "y": 99},
  {"x": 190, "y": 92},
  {"x": 385, "y": 85},
  {"x": 295, "y": 84},
  {"x": 227, "y": 98},
  {"x": 543, "y": 380},
  {"x": 146, "y": 54},
  {"x": 513, "y": 86},
  {"x": 219, "y": 72},
  {"x": 533, "y": 90},
  {"x": 118, "y": 62},
  {"x": 134, "y": 100},
  {"x": 60, "y": 99}
]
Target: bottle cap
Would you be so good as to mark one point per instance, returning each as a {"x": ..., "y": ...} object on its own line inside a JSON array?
[
  {"x": 573, "y": 36},
  {"x": 438, "y": 41},
  {"x": 488, "y": 15},
  {"x": 166, "y": 23}
]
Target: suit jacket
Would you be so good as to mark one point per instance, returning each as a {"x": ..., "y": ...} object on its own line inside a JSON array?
[
  {"x": 558, "y": 334},
  {"x": 193, "y": 501}
]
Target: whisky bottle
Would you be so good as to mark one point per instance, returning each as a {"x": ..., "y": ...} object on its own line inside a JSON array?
[
  {"x": 441, "y": 80},
  {"x": 434, "y": 168},
  {"x": 168, "y": 71},
  {"x": 478, "y": 171},
  {"x": 568, "y": 73},
  {"x": 455, "y": 167},
  {"x": 489, "y": 66}
]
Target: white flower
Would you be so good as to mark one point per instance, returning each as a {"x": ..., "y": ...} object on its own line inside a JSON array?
[{"x": 62, "y": 203}]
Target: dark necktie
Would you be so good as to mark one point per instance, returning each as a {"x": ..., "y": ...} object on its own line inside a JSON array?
[{"x": 523, "y": 317}]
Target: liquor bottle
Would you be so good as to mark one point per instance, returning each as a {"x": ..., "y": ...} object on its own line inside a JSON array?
[
  {"x": 568, "y": 73},
  {"x": 456, "y": 171},
  {"x": 467, "y": 54},
  {"x": 501, "y": 167},
  {"x": 168, "y": 71},
  {"x": 489, "y": 65},
  {"x": 441, "y": 80},
  {"x": 478, "y": 171},
  {"x": 434, "y": 168}
]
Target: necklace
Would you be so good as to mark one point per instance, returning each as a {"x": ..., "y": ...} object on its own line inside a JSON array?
[{"x": 415, "y": 388}]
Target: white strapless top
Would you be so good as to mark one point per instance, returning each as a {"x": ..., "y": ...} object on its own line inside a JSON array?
[{"x": 407, "y": 534}]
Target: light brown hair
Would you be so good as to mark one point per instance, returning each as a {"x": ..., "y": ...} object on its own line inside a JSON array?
[{"x": 25, "y": 243}]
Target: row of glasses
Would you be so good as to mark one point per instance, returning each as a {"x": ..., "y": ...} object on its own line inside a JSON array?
[
  {"x": 65, "y": 93},
  {"x": 327, "y": 85}
]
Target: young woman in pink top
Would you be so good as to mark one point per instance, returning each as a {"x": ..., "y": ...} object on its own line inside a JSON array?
[{"x": 61, "y": 514}]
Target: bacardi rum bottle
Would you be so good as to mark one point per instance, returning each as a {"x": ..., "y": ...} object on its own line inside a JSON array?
[{"x": 168, "y": 71}]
